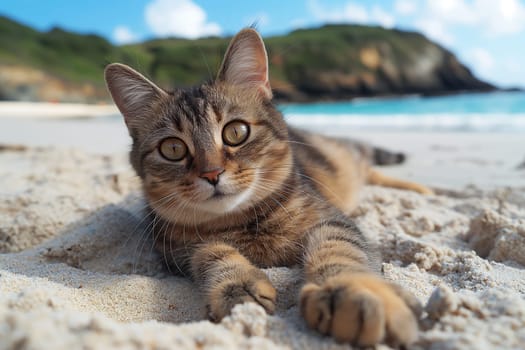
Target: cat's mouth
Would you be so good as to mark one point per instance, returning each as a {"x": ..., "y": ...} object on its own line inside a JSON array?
[
  {"x": 221, "y": 192},
  {"x": 222, "y": 201},
  {"x": 218, "y": 194},
  {"x": 226, "y": 197}
]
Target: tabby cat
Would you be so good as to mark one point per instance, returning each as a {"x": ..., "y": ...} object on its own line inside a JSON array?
[{"x": 234, "y": 189}]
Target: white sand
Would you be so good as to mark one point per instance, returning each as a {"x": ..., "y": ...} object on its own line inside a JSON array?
[
  {"x": 50, "y": 110},
  {"x": 78, "y": 269}
]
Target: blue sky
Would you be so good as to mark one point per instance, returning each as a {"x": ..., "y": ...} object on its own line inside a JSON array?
[{"x": 487, "y": 35}]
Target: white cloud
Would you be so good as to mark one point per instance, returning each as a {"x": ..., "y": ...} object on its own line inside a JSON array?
[
  {"x": 435, "y": 30},
  {"x": 382, "y": 17},
  {"x": 123, "y": 35},
  {"x": 405, "y": 7},
  {"x": 436, "y": 18},
  {"x": 351, "y": 12},
  {"x": 181, "y": 18},
  {"x": 451, "y": 11},
  {"x": 500, "y": 17},
  {"x": 494, "y": 18},
  {"x": 481, "y": 59}
]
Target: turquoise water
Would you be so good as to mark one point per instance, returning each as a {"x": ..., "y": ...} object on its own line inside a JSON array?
[{"x": 500, "y": 111}]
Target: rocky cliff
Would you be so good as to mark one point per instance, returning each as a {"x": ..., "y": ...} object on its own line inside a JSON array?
[{"x": 340, "y": 62}]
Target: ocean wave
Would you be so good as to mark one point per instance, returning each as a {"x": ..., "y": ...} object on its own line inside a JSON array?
[{"x": 427, "y": 122}]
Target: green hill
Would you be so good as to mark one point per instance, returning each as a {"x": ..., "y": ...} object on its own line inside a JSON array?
[{"x": 331, "y": 62}]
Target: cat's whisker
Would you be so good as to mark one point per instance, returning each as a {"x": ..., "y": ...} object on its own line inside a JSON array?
[
  {"x": 130, "y": 237},
  {"x": 146, "y": 232},
  {"x": 180, "y": 206},
  {"x": 301, "y": 143},
  {"x": 205, "y": 61},
  {"x": 184, "y": 243},
  {"x": 145, "y": 216},
  {"x": 150, "y": 228},
  {"x": 335, "y": 196},
  {"x": 143, "y": 239},
  {"x": 195, "y": 227}
]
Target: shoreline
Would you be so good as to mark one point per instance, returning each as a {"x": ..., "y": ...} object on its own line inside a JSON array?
[
  {"x": 400, "y": 96},
  {"x": 59, "y": 110}
]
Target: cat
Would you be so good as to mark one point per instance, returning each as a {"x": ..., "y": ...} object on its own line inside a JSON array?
[{"x": 235, "y": 189}]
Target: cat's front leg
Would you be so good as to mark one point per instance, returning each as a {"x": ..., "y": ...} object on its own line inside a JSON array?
[
  {"x": 344, "y": 298},
  {"x": 227, "y": 278}
]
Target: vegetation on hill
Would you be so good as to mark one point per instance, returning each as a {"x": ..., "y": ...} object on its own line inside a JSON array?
[{"x": 331, "y": 62}]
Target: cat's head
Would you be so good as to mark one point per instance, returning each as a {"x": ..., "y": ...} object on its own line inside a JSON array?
[{"x": 218, "y": 148}]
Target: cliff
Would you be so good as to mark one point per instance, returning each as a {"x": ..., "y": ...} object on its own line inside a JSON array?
[{"x": 332, "y": 62}]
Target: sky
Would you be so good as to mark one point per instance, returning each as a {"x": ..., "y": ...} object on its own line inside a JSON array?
[{"x": 487, "y": 35}]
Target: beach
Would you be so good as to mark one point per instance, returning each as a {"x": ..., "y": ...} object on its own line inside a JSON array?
[{"x": 78, "y": 269}]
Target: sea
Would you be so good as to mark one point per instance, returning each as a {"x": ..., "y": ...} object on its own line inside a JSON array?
[{"x": 472, "y": 112}]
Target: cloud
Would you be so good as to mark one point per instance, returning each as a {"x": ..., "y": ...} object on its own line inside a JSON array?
[
  {"x": 351, "y": 12},
  {"x": 123, "y": 35},
  {"x": 435, "y": 30},
  {"x": 450, "y": 11},
  {"x": 481, "y": 59},
  {"x": 500, "y": 17},
  {"x": 382, "y": 17},
  {"x": 436, "y": 18},
  {"x": 493, "y": 18},
  {"x": 405, "y": 7},
  {"x": 181, "y": 18}
]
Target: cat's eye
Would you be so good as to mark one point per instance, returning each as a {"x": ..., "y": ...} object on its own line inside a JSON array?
[
  {"x": 173, "y": 149},
  {"x": 235, "y": 133}
]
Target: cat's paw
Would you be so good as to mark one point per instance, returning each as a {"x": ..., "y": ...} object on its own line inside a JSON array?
[
  {"x": 253, "y": 286},
  {"x": 361, "y": 309}
]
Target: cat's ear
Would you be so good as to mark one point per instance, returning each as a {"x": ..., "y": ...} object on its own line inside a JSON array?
[
  {"x": 246, "y": 63},
  {"x": 133, "y": 93}
]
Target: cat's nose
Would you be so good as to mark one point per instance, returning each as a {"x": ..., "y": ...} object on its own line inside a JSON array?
[{"x": 212, "y": 176}]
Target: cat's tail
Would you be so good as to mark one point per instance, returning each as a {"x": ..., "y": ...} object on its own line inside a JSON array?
[
  {"x": 377, "y": 178},
  {"x": 376, "y": 155},
  {"x": 381, "y": 156}
]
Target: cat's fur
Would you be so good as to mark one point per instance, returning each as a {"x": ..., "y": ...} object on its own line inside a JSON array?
[{"x": 282, "y": 198}]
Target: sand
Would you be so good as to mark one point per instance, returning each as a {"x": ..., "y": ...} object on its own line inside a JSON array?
[
  {"x": 49, "y": 110},
  {"x": 77, "y": 268}
]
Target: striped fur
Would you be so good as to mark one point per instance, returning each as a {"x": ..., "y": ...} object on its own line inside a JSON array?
[{"x": 282, "y": 199}]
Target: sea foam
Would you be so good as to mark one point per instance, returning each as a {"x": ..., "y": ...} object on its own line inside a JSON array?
[{"x": 427, "y": 122}]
